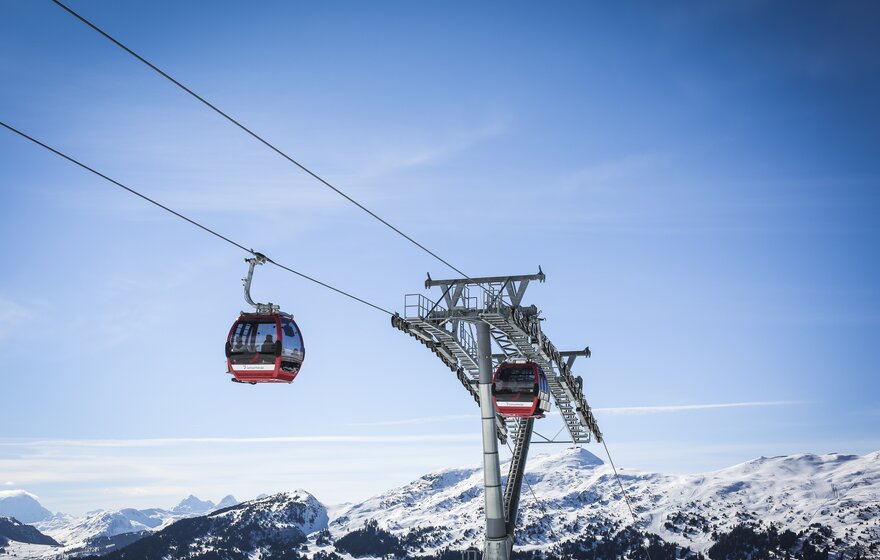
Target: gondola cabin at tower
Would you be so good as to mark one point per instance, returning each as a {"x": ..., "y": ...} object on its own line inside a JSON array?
[
  {"x": 264, "y": 348},
  {"x": 520, "y": 390}
]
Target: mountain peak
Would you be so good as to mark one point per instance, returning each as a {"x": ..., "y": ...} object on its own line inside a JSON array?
[
  {"x": 248, "y": 529},
  {"x": 284, "y": 498},
  {"x": 227, "y": 501},
  {"x": 582, "y": 455},
  {"x": 192, "y": 504},
  {"x": 573, "y": 457},
  {"x": 23, "y": 506}
]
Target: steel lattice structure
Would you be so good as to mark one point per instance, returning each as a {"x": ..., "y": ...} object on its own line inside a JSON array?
[{"x": 459, "y": 329}]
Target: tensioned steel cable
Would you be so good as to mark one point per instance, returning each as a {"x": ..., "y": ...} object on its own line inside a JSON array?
[
  {"x": 625, "y": 494},
  {"x": 537, "y": 500},
  {"x": 622, "y": 489},
  {"x": 191, "y": 221},
  {"x": 256, "y": 136}
]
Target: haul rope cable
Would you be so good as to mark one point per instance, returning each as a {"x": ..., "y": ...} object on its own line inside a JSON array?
[
  {"x": 256, "y": 136},
  {"x": 538, "y": 501},
  {"x": 260, "y": 138},
  {"x": 625, "y": 495},
  {"x": 191, "y": 221}
]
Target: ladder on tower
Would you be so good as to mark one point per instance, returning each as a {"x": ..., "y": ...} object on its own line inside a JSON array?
[{"x": 516, "y": 473}]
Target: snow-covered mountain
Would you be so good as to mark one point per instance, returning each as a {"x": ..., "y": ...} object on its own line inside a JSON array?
[
  {"x": 271, "y": 525},
  {"x": 78, "y": 532},
  {"x": 192, "y": 506},
  {"x": 227, "y": 501},
  {"x": 23, "y": 506},
  {"x": 572, "y": 504},
  {"x": 578, "y": 495},
  {"x": 14, "y": 530}
]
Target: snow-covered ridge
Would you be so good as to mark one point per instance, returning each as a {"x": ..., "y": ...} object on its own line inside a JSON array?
[
  {"x": 578, "y": 491},
  {"x": 77, "y": 531},
  {"x": 280, "y": 520},
  {"x": 297, "y": 509},
  {"x": 579, "y": 496}
]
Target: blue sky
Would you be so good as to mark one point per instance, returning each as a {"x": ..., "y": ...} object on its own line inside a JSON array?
[{"x": 699, "y": 182}]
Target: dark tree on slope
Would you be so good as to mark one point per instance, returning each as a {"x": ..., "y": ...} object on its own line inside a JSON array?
[
  {"x": 321, "y": 555},
  {"x": 14, "y": 530},
  {"x": 755, "y": 542},
  {"x": 744, "y": 541},
  {"x": 811, "y": 552},
  {"x": 628, "y": 543},
  {"x": 370, "y": 541},
  {"x": 224, "y": 541},
  {"x": 323, "y": 538}
]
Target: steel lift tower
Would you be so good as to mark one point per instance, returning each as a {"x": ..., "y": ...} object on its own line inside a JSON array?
[{"x": 460, "y": 328}]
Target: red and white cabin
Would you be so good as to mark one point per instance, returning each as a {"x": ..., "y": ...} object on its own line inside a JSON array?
[
  {"x": 264, "y": 348},
  {"x": 520, "y": 390}
]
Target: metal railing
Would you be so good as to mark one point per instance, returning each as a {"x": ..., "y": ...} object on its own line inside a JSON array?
[
  {"x": 467, "y": 300},
  {"x": 417, "y": 305},
  {"x": 493, "y": 297}
]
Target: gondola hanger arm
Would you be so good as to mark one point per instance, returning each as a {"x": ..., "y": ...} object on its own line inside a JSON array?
[{"x": 258, "y": 258}]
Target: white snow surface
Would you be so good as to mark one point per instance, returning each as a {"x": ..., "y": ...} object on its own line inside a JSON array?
[
  {"x": 25, "y": 551},
  {"x": 577, "y": 493},
  {"x": 277, "y": 510},
  {"x": 578, "y": 490}
]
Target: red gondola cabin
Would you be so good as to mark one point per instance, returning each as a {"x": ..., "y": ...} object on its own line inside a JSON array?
[
  {"x": 264, "y": 348},
  {"x": 520, "y": 390}
]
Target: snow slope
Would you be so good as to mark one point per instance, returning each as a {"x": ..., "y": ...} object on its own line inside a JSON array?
[
  {"x": 580, "y": 493},
  {"x": 577, "y": 494}
]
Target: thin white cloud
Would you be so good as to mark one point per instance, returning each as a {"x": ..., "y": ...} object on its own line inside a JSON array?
[
  {"x": 141, "y": 491},
  {"x": 285, "y": 192},
  {"x": 665, "y": 409},
  {"x": 163, "y": 442},
  {"x": 81, "y": 475},
  {"x": 628, "y": 170},
  {"x": 16, "y": 494},
  {"x": 422, "y": 420},
  {"x": 12, "y": 315},
  {"x": 619, "y": 410},
  {"x": 415, "y": 153}
]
